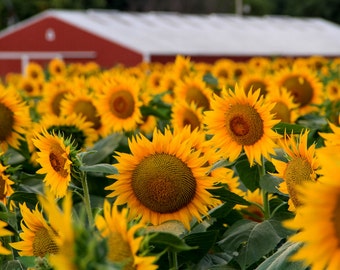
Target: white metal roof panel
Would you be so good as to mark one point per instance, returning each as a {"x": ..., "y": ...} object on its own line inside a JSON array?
[{"x": 207, "y": 34}]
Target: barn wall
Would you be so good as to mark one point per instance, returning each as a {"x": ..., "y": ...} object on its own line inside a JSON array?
[{"x": 51, "y": 34}]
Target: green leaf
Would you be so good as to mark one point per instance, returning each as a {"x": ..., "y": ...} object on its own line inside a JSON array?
[
  {"x": 248, "y": 175},
  {"x": 251, "y": 240},
  {"x": 100, "y": 168},
  {"x": 170, "y": 241},
  {"x": 210, "y": 79},
  {"x": 280, "y": 259},
  {"x": 270, "y": 183},
  {"x": 27, "y": 261},
  {"x": 203, "y": 241},
  {"x": 21, "y": 197},
  {"x": 282, "y": 127},
  {"x": 227, "y": 196},
  {"x": 101, "y": 149}
]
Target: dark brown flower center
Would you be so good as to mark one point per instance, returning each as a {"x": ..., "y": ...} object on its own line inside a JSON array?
[
  {"x": 244, "y": 124},
  {"x": 7, "y": 122},
  {"x": 163, "y": 183},
  {"x": 2, "y": 188},
  {"x": 58, "y": 162},
  {"x": 122, "y": 104},
  {"x": 56, "y": 102}
]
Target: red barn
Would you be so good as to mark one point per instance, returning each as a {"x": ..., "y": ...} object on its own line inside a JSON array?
[{"x": 111, "y": 37}]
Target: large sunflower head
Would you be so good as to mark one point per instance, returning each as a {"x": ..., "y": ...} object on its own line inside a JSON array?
[
  {"x": 239, "y": 121},
  {"x": 256, "y": 80},
  {"x": 14, "y": 118},
  {"x": 301, "y": 166},
  {"x": 317, "y": 224},
  {"x": 303, "y": 84},
  {"x": 38, "y": 237},
  {"x": 119, "y": 105},
  {"x": 55, "y": 160},
  {"x": 163, "y": 179},
  {"x": 123, "y": 243}
]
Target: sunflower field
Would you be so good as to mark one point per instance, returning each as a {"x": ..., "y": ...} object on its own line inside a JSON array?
[{"x": 184, "y": 165}]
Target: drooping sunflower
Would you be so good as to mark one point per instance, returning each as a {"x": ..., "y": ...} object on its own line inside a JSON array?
[
  {"x": 285, "y": 108},
  {"x": 194, "y": 89},
  {"x": 241, "y": 122},
  {"x": 317, "y": 224},
  {"x": 163, "y": 179},
  {"x": 55, "y": 161},
  {"x": 4, "y": 232},
  {"x": 14, "y": 118},
  {"x": 301, "y": 166},
  {"x": 304, "y": 85},
  {"x": 123, "y": 244},
  {"x": 57, "y": 67},
  {"x": 184, "y": 114},
  {"x": 37, "y": 236}
]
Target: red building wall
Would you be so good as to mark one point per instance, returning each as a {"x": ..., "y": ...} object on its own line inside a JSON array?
[{"x": 37, "y": 37}]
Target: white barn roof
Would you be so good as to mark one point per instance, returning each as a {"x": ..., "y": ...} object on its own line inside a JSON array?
[{"x": 210, "y": 34}]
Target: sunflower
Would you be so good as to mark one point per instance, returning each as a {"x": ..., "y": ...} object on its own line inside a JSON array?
[
  {"x": 223, "y": 71},
  {"x": 163, "y": 179},
  {"x": 38, "y": 237},
  {"x": 54, "y": 158},
  {"x": 34, "y": 71},
  {"x": 4, "y": 232},
  {"x": 119, "y": 105},
  {"x": 184, "y": 114},
  {"x": 182, "y": 66},
  {"x": 73, "y": 127},
  {"x": 301, "y": 166},
  {"x": 303, "y": 84},
  {"x": 54, "y": 92},
  {"x": 333, "y": 90},
  {"x": 256, "y": 80},
  {"x": 317, "y": 224},
  {"x": 123, "y": 244},
  {"x": 61, "y": 220},
  {"x": 57, "y": 67},
  {"x": 331, "y": 138},
  {"x": 285, "y": 108},
  {"x": 6, "y": 183},
  {"x": 14, "y": 118},
  {"x": 194, "y": 89},
  {"x": 242, "y": 122},
  {"x": 30, "y": 86},
  {"x": 82, "y": 102}
]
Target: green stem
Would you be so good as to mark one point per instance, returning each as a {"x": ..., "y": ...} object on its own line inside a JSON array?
[
  {"x": 265, "y": 197},
  {"x": 173, "y": 263},
  {"x": 86, "y": 198}
]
